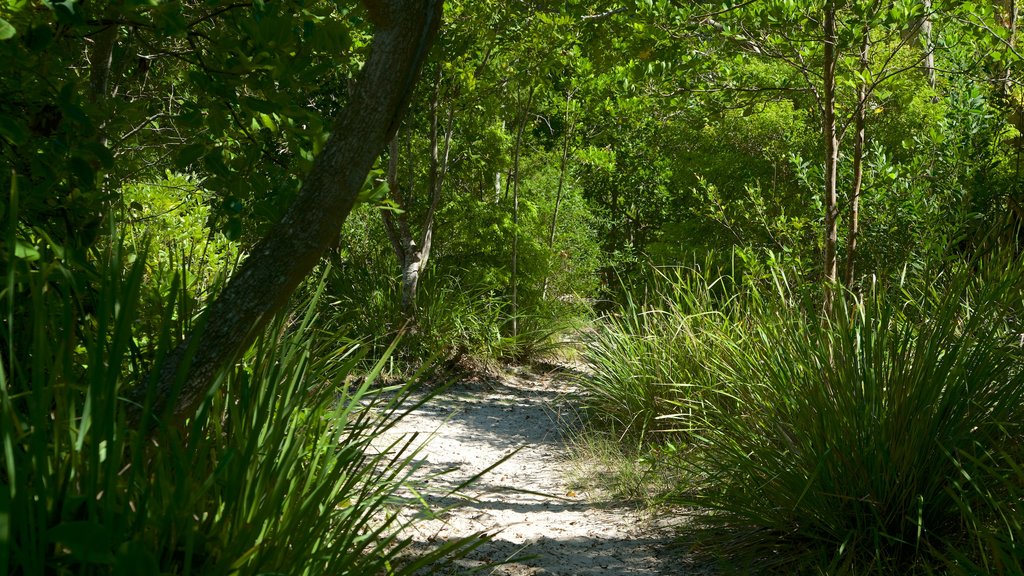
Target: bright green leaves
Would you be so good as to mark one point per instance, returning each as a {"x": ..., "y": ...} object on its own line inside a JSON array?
[
  {"x": 25, "y": 251},
  {"x": 6, "y": 30}
]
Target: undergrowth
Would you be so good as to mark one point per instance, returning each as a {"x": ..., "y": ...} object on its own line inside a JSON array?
[
  {"x": 881, "y": 438},
  {"x": 279, "y": 473}
]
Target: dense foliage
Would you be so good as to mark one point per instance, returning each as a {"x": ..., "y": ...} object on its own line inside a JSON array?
[{"x": 786, "y": 233}]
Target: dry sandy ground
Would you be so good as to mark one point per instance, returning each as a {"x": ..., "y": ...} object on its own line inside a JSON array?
[{"x": 540, "y": 526}]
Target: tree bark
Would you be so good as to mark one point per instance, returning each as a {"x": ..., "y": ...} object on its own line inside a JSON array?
[
  {"x": 396, "y": 231},
  {"x": 412, "y": 253},
  {"x": 1008, "y": 14},
  {"x": 831, "y": 141},
  {"x": 101, "y": 57},
  {"x": 405, "y": 30},
  {"x": 928, "y": 45},
  {"x": 858, "y": 161}
]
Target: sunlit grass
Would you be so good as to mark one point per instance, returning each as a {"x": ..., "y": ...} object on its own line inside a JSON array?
[
  {"x": 275, "y": 475},
  {"x": 880, "y": 439}
]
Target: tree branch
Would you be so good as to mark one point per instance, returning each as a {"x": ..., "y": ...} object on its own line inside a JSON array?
[
  {"x": 603, "y": 15},
  {"x": 281, "y": 261}
]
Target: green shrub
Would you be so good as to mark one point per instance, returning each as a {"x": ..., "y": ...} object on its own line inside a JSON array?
[
  {"x": 649, "y": 357},
  {"x": 275, "y": 475},
  {"x": 844, "y": 445}
]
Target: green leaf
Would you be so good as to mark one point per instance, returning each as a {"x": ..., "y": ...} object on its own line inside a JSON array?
[
  {"x": 13, "y": 130},
  {"x": 259, "y": 105},
  {"x": 233, "y": 205},
  {"x": 83, "y": 171},
  {"x": 214, "y": 162},
  {"x": 6, "y": 30},
  {"x": 26, "y": 251},
  {"x": 100, "y": 153},
  {"x": 233, "y": 229},
  {"x": 133, "y": 558}
]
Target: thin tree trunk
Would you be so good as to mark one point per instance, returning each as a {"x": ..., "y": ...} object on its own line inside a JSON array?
[
  {"x": 101, "y": 57},
  {"x": 928, "y": 45},
  {"x": 1012, "y": 23},
  {"x": 858, "y": 161},
  {"x": 412, "y": 253},
  {"x": 282, "y": 260},
  {"x": 393, "y": 229},
  {"x": 563, "y": 166},
  {"x": 831, "y": 150},
  {"x": 438, "y": 171},
  {"x": 514, "y": 180}
]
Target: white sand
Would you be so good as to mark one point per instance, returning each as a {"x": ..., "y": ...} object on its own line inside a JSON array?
[{"x": 538, "y": 523}]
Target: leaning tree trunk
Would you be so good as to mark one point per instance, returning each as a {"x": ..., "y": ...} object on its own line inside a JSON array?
[
  {"x": 405, "y": 30},
  {"x": 831, "y": 139}
]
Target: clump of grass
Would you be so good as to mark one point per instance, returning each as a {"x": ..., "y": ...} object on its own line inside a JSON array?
[
  {"x": 275, "y": 475},
  {"x": 991, "y": 503},
  {"x": 883, "y": 438},
  {"x": 648, "y": 359},
  {"x": 607, "y": 469},
  {"x": 843, "y": 445}
]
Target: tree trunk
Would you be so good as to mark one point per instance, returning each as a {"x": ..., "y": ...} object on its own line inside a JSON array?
[
  {"x": 100, "y": 58},
  {"x": 927, "y": 44},
  {"x": 1008, "y": 13},
  {"x": 405, "y": 30},
  {"x": 563, "y": 166},
  {"x": 514, "y": 180},
  {"x": 397, "y": 232},
  {"x": 412, "y": 255},
  {"x": 831, "y": 149},
  {"x": 435, "y": 182},
  {"x": 858, "y": 161}
]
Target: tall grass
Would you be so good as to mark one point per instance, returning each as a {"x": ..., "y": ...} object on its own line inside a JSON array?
[
  {"x": 880, "y": 439},
  {"x": 991, "y": 503},
  {"x": 275, "y": 475},
  {"x": 649, "y": 357},
  {"x": 453, "y": 319},
  {"x": 851, "y": 433}
]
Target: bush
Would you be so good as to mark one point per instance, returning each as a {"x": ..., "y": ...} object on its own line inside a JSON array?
[
  {"x": 845, "y": 444},
  {"x": 276, "y": 474},
  {"x": 649, "y": 357}
]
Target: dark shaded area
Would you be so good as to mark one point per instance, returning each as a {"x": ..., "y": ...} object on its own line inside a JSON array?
[{"x": 574, "y": 557}]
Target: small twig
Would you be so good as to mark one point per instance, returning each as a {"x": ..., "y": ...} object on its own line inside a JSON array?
[{"x": 603, "y": 15}]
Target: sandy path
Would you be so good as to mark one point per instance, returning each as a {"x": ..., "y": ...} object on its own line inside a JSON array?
[{"x": 541, "y": 525}]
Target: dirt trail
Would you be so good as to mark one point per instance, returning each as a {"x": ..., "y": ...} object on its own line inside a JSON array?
[{"x": 539, "y": 523}]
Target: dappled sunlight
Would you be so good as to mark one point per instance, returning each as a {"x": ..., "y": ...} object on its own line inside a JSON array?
[{"x": 537, "y": 519}]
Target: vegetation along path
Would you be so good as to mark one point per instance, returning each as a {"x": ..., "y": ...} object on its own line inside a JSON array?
[{"x": 540, "y": 525}]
